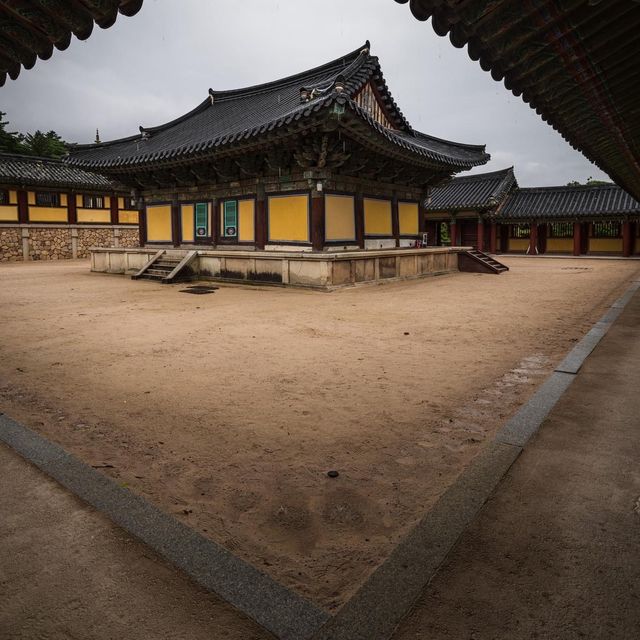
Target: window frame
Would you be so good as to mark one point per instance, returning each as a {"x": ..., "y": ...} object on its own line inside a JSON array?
[{"x": 52, "y": 199}]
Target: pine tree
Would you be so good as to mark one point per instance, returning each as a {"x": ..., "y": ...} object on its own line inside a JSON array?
[
  {"x": 48, "y": 145},
  {"x": 10, "y": 141}
]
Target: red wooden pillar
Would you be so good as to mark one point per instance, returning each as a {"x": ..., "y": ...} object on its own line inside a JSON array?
[
  {"x": 533, "y": 240},
  {"x": 453, "y": 232},
  {"x": 577, "y": 238},
  {"x": 114, "y": 209},
  {"x": 176, "y": 223},
  {"x": 142, "y": 222},
  {"x": 317, "y": 220},
  {"x": 261, "y": 218},
  {"x": 480, "y": 234},
  {"x": 23, "y": 207},
  {"x": 627, "y": 239},
  {"x": 359, "y": 205},
  {"x": 493, "y": 242},
  {"x": 395, "y": 219},
  {"x": 422, "y": 214},
  {"x": 72, "y": 208},
  {"x": 215, "y": 221}
]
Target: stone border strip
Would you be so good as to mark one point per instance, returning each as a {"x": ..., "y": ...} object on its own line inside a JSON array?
[
  {"x": 281, "y": 611},
  {"x": 391, "y": 591}
]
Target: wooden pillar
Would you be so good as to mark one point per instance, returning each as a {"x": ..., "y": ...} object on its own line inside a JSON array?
[
  {"x": 317, "y": 220},
  {"x": 493, "y": 241},
  {"x": 114, "y": 209},
  {"x": 453, "y": 232},
  {"x": 533, "y": 240},
  {"x": 422, "y": 214},
  {"x": 142, "y": 221},
  {"x": 480, "y": 234},
  {"x": 359, "y": 206},
  {"x": 215, "y": 221},
  {"x": 23, "y": 207},
  {"x": 395, "y": 219},
  {"x": 577, "y": 239},
  {"x": 72, "y": 208},
  {"x": 627, "y": 239},
  {"x": 176, "y": 223},
  {"x": 261, "y": 218}
]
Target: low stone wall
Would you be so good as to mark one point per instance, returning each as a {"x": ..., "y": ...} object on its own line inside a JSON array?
[
  {"x": 315, "y": 270},
  {"x": 60, "y": 242}
]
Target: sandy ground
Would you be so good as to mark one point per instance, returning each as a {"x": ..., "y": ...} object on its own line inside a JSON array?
[
  {"x": 228, "y": 409},
  {"x": 67, "y": 572},
  {"x": 553, "y": 554}
]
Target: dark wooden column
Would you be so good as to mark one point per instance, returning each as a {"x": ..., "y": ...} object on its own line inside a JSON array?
[
  {"x": 176, "y": 223},
  {"x": 395, "y": 219},
  {"x": 359, "y": 205},
  {"x": 577, "y": 239},
  {"x": 533, "y": 240},
  {"x": 23, "y": 207},
  {"x": 493, "y": 241},
  {"x": 261, "y": 218},
  {"x": 480, "y": 234},
  {"x": 453, "y": 232},
  {"x": 142, "y": 221},
  {"x": 317, "y": 220},
  {"x": 627, "y": 239},
  {"x": 114, "y": 209},
  {"x": 422, "y": 214},
  {"x": 215, "y": 221},
  {"x": 72, "y": 208}
]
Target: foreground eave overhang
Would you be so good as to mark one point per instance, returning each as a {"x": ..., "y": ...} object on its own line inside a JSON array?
[{"x": 574, "y": 62}]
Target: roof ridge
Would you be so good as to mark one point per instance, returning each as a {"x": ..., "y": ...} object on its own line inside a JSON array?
[
  {"x": 462, "y": 145},
  {"x": 574, "y": 187},
  {"x": 20, "y": 156},
  {"x": 483, "y": 176}
]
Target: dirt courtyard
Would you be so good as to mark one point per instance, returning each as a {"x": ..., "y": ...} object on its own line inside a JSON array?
[{"x": 228, "y": 409}]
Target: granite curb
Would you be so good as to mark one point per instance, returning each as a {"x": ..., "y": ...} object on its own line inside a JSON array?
[{"x": 273, "y": 606}]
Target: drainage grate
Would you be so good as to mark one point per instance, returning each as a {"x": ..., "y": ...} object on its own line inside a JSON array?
[{"x": 199, "y": 289}]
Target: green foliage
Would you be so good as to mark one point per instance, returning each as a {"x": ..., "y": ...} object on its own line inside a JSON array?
[
  {"x": 48, "y": 145},
  {"x": 590, "y": 183}
]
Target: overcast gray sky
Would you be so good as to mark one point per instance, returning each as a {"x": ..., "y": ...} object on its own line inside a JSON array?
[{"x": 159, "y": 64}]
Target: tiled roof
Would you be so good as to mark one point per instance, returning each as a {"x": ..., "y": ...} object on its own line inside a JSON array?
[
  {"x": 484, "y": 190},
  {"x": 32, "y": 28},
  {"x": 21, "y": 170},
  {"x": 228, "y": 117},
  {"x": 568, "y": 202}
]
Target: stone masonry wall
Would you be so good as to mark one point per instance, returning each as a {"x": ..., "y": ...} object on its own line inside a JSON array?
[
  {"x": 49, "y": 244},
  {"x": 54, "y": 242},
  {"x": 93, "y": 238},
  {"x": 10, "y": 245}
]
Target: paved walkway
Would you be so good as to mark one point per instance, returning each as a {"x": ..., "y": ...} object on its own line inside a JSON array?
[
  {"x": 555, "y": 553},
  {"x": 67, "y": 572}
]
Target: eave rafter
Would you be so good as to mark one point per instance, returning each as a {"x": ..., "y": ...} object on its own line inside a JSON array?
[
  {"x": 30, "y": 29},
  {"x": 574, "y": 62}
]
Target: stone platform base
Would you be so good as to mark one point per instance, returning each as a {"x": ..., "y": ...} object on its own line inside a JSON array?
[{"x": 325, "y": 270}]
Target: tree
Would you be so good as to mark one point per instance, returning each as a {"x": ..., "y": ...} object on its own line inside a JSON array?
[
  {"x": 48, "y": 145},
  {"x": 590, "y": 183},
  {"x": 10, "y": 141}
]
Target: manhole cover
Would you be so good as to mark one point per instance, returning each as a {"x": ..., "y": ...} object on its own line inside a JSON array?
[
  {"x": 203, "y": 287},
  {"x": 197, "y": 292}
]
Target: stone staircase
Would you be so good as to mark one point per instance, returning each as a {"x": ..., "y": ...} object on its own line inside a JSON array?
[
  {"x": 167, "y": 268},
  {"x": 479, "y": 262}
]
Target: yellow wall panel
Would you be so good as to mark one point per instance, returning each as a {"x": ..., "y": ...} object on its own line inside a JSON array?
[
  {"x": 377, "y": 217},
  {"x": 93, "y": 215},
  {"x": 79, "y": 201},
  {"x": 31, "y": 197},
  {"x": 120, "y": 203},
  {"x": 128, "y": 217},
  {"x": 159, "y": 223},
  {"x": 246, "y": 217},
  {"x": 63, "y": 199},
  {"x": 107, "y": 202},
  {"x": 339, "y": 218},
  {"x": 518, "y": 244},
  {"x": 605, "y": 245},
  {"x": 48, "y": 214},
  {"x": 560, "y": 245},
  {"x": 8, "y": 213},
  {"x": 188, "y": 233},
  {"x": 289, "y": 218},
  {"x": 13, "y": 197},
  {"x": 408, "y": 217}
]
